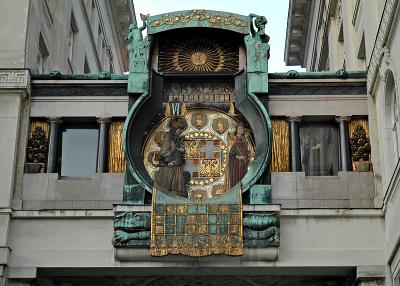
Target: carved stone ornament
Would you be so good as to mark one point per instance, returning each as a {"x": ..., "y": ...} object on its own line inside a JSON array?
[{"x": 14, "y": 79}]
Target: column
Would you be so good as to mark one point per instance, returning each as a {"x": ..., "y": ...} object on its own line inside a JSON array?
[
  {"x": 52, "y": 157},
  {"x": 295, "y": 160},
  {"x": 103, "y": 144},
  {"x": 345, "y": 159},
  {"x": 14, "y": 109}
]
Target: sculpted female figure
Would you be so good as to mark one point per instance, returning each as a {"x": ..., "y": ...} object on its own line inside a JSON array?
[
  {"x": 170, "y": 173},
  {"x": 238, "y": 157}
]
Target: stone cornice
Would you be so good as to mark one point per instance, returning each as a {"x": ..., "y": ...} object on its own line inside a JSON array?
[
  {"x": 387, "y": 19},
  {"x": 297, "y": 29}
]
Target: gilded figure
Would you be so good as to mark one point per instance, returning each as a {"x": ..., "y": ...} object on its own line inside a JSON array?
[
  {"x": 239, "y": 156},
  {"x": 170, "y": 162}
]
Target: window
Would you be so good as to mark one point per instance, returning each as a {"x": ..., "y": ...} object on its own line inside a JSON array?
[
  {"x": 392, "y": 125},
  {"x": 86, "y": 68},
  {"x": 79, "y": 144},
  {"x": 72, "y": 42},
  {"x": 42, "y": 58},
  {"x": 319, "y": 149}
]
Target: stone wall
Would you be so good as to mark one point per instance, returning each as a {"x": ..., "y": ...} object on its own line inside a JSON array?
[{"x": 347, "y": 190}]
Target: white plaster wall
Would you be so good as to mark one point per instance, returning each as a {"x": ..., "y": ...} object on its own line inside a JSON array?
[
  {"x": 322, "y": 238},
  {"x": 332, "y": 240},
  {"x": 339, "y": 105},
  {"x": 88, "y": 106}
]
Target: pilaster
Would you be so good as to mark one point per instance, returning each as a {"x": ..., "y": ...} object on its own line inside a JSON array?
[
  {"x": 14, "y": 103},
  {"x": 345, "y": 160},
  {"x": 52, "y": 157},
  {"x": 104, "y": 124},
  {"x": 295, "y": 160}
]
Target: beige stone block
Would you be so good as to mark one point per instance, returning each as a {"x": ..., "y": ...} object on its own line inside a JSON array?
[
  {"x": 9, "y": 104},
  {"x": 310, "y": 204},
  {"x": 34, "y": 186}
]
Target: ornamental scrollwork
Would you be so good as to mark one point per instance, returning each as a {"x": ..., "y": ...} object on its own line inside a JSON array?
[
  {"x": 261, "y": 229},
  {"x": 131, "y": 229},
  {"x": 198, "y": 16}
]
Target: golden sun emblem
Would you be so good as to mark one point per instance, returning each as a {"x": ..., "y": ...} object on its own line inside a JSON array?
[
  {"x": 198, "y": 55},
  {"x": 199, "y": 58}
]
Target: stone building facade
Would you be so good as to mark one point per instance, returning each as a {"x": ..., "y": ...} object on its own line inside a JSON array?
[
  {"x": 63, "y": 176},
  {"x": 360, "y": 35},
  {"x": 67, "y": 36}
]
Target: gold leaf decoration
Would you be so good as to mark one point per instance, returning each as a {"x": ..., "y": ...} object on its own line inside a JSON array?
[
  {"x": 198, "y": 55},
  {"x": 116, "y": 156}
]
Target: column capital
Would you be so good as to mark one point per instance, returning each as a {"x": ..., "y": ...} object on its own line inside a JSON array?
[
  {"x": 54, "y": 120},
  {"x": 342, "y": 118},
  {"x": 294, "y": 118},
  {"x": 103, "y": 119}
]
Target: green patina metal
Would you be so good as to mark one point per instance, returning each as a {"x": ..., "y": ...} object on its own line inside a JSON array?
[
  {"x": 134, "y": 194},
  {"x": 260, "y": 194},
  {"x": 341, "y": 74},
  {"x": 257, "y": 49},
  {"x": 198, "y": 18},
  {"x": 261, "y": 229},
  {"x": 132, "y": 229},
  {"x": 139, "y": 51},
  {"x": 104, "y": 75}
]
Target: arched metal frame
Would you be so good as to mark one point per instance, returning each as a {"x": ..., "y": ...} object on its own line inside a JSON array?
[{"x": 139, "y": 116}]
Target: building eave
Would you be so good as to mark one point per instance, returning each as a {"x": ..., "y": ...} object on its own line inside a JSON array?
[{"x": 297, "y": 30}]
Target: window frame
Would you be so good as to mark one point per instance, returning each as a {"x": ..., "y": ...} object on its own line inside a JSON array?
[
  {"x": 82, "y": 124},
  {"x": 391, "y": 126},
  {"x": 318, "y": 122}
]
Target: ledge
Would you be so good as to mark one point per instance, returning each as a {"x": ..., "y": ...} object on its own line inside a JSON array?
[
  {"x": 60, "y": 214},
  {"x": 109, "y": 214},
  {"x": 250, "y": 255},
  {"x": 332, "y": 213},
  {"x": 246, "y": 208}
]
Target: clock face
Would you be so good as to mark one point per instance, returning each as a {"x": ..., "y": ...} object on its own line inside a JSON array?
[{"x": 206, "y": 143}]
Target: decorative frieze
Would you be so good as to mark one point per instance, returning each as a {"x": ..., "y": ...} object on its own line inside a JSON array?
[{"x": 14, "y": 79}]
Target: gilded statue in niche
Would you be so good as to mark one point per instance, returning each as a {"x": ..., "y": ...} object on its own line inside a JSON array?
[{"x": 170, "y": 160}]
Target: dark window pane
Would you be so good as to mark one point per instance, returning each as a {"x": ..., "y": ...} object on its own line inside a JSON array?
[
  {"x": 79, "y": 150},
  {"x": 319, "y": 150}
]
